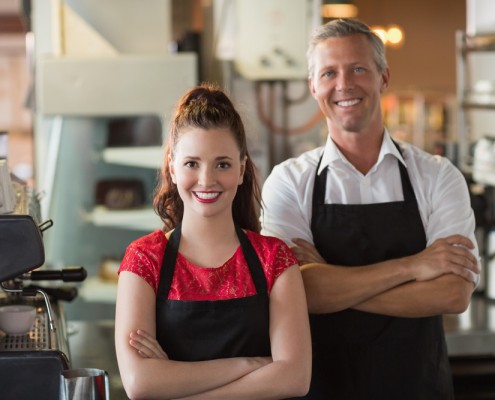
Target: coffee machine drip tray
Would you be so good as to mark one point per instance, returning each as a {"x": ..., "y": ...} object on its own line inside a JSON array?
[{"x": 31, "y": 364}]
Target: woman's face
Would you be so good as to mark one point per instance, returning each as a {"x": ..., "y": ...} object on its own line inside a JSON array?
[{"x": 207, "y": 170}]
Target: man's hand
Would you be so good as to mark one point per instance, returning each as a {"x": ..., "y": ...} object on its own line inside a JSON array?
[
  {"x": 306, "y": 253},
  {"x": 444, "y": 256}
]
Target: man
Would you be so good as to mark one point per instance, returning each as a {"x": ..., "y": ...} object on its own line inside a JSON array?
[{"x": 401, "y": 218}]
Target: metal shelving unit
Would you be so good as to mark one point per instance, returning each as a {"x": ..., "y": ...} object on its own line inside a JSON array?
[
  {"x": 99, "y": 65},
  {"x": 468, "y": 99}
]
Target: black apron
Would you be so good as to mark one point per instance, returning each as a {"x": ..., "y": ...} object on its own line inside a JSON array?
[
  {"x": 366, "y": 356},
  {"x": 206, "y": 330}
]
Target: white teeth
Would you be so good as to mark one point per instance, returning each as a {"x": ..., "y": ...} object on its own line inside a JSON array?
[
  {"x": 348, "y": 103},
  {"x": 207, "y": 195}
]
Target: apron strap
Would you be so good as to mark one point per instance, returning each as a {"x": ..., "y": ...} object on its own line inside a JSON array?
[
  {"x": 320, "y": 185},
  {"x": 321, "y": 180},
  {"x": 253, "y": 262},
  {"x": 407, "y": 189},
  {"x": 169, "y": 258}
]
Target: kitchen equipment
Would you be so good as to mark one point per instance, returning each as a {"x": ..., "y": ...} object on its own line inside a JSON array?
[
  {"x": 84, "y": 383},
  {"x": 484, "y": 161},
  {"x": 17, "y": 319},
  {"x": 31, "y": 364},
  {"x": 490, "y": 265},
  {"x": 7, "y": 196}
]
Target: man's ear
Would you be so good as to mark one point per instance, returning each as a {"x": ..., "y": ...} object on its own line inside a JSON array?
[
  {"x": 311, "y": 86},
  {"x": 385, "y": 79}
]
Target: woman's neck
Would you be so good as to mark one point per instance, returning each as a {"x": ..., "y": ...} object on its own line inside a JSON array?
[{"x": 208, "y": 242}]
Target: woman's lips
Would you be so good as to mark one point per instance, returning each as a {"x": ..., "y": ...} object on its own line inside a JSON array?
[{"x": 207, "y": 197}]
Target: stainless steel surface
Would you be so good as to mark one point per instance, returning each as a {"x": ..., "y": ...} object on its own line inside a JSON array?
[
  {"x": 85, "y": 383},
  {"x": 91, "y": 342},
  {"x": 31, "y": 364},
  {"x": 40, "y": 337},
  {"x": 36, "y": 339},
  {"x": 472, "y": 333},
  {"x": 92, "y": 345}
]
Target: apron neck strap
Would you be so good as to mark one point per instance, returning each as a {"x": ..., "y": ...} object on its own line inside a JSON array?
[
  {"x": 169, "y": 259},
  {"x": 253, "y": 261},
  {"x": 321, "y": 182},
  {"x": 172, "y": 249}
]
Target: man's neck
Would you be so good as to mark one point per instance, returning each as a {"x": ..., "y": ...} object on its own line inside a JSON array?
[{"x": 361, "y": 149}]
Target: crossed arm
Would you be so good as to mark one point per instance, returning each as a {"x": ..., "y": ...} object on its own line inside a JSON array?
[
  {"x": 435, "y": 281},
  {"x": 148, "y": 373}
]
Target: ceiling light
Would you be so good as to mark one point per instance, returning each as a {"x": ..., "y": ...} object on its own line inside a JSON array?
[
  {"x": 338, "y": 9},
  {"x": 393, "y": 35},
  {"x": 380, "y": 32}
]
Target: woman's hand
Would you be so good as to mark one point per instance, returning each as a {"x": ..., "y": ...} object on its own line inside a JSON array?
[
  {"x": 146, "y": 345},
  {"x": 306, "y": 253}
]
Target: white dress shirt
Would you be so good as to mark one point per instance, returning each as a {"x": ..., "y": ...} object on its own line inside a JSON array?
[{"x": 440, "y": 188}]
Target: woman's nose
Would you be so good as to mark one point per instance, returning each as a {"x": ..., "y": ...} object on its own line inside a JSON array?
[{"x": 207, "y": 176}]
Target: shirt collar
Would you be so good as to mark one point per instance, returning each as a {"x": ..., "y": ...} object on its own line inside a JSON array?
[{"x": 331, "y": 152}]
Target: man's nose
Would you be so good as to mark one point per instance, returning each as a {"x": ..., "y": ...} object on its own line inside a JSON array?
[{"x": 344, "y": 82}]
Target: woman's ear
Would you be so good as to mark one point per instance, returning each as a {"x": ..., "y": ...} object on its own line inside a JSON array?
[
  {"x": 243, "y": 170},
  {"x": 171, "y": 169}
]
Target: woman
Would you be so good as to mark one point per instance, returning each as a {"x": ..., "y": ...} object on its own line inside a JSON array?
[{"x": 211, "y": 309}]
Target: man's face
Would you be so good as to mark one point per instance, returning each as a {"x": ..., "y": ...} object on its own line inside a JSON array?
[{"x": 346, "y": 83}]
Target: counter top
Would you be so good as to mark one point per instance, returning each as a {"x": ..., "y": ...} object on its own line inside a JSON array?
[
  {"x": 472, "y": 333},
  {"x": 92, "y": 345}
]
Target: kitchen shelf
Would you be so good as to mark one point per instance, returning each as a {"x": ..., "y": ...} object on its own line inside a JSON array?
[
  {"x": 95, "y": 289},
  {"x": 136, "y": 219},
  {"x": 99, "y": 80},
  {"x": 478, "y": 43},
  {"x": 477, "y": 105},
  {"x": 146, "y": 157},
  {"x": 468, "y": 99}
]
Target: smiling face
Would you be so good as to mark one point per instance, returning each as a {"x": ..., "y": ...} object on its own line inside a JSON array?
[
  {"x": 207, "y": 169},
  {"x": 347, "y": 85}
]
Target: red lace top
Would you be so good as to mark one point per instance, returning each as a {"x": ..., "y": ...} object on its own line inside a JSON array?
[{"x": 231, "y": 280}]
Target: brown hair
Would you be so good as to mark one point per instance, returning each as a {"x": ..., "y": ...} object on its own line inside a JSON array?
[{"x": 207, "y": 107}]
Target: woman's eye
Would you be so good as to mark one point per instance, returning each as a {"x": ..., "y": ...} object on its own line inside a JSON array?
[
  {"x": 223, "y": 165},
  {"x": 328, "y": 74},
  {"x": 190, "y": 164}
]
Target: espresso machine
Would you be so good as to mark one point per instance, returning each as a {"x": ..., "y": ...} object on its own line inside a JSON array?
[{"x": 32, "y": 363}]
